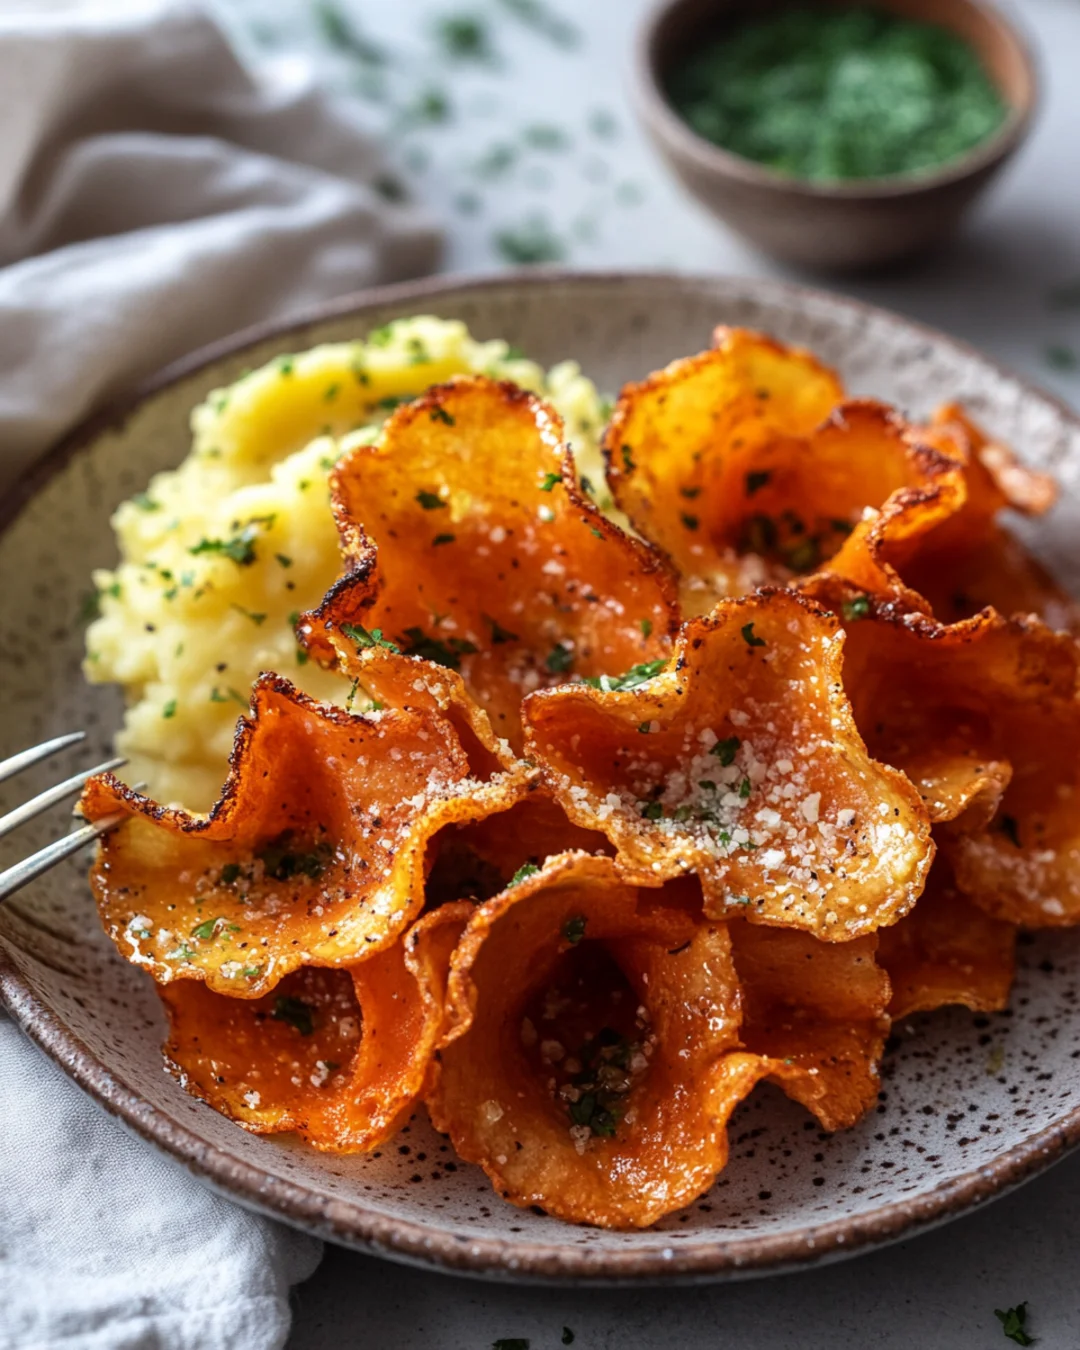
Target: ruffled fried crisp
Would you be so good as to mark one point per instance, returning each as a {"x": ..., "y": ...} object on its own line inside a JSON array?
[
  {"x": 984, "y": 717},
  {"x": 583, "y": 1069},
  {"x": 314, "y": 855},
  {"x": 746, "y": 466},
  {"x": 477, "y": 859},
  {"x": 817, "y": 1007},
  {"x": 741, "y": 762},
  {"x": 940, "y": 548},
  {"x": 948, "y": 951},
  {"x": 339, "y": 1056},
  {"x": 469, "y": 546}
]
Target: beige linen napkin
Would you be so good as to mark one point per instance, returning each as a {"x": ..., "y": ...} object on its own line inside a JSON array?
[{"x": 154, "y": 194}]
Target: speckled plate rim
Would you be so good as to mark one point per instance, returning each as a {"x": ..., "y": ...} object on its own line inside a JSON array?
[{"x": 352, "y": 1224}]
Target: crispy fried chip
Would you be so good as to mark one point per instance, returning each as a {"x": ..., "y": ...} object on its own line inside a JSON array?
[
  {"x": 818, "y": 1007},
  {"x": 470, "y": 546},
  {"x": 313, "y": 856},
  {"x": 583, "y": 1068},
  {"x": 947, "y": 951},
  {"x": 742, "y": 761},
  {"x": 940, "y": 547},
  {"x": 744, "y": 464},
  {"x": 479, "y": 858},
  {"x": 339, "y": 1056},
  {"x": 984, "y": 717}
]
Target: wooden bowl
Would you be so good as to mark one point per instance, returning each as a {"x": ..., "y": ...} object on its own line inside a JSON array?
[{"x": 855, "y": 224}]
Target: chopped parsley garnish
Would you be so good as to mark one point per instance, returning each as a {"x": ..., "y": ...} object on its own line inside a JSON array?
[
  {"x": 628, "y": 458},
  {"x": 181, "y": 953},
  {"x": 209, "y": 928},
  {"x": 145, "y": 502},
  {"x": 691, "y": 522},
  {"x": 464, "y": 37},
  {"x": 281, "y": 862},
  {"x": 360, "y": 635},
  {"x": 230, "y": 874},
  {"x": 599, "y": 534},
  {"x": 430, "y": 501},
  {"x": 286, "y": 365},
  {"x": 499, "y": 634},
  {"x": 439, "y": 414},
  {"x": 858, "y": 607},
  {"x": 749, "y": 636},
  {"x": 532, "y": 242},
  {"x": 1012, "y": 1324},
  {"x": 548, "y": 24},
  {"x": 216, "y": 696},
  {"x": 296, "y": 1012},
  {"x": 744, "y": 789},
  {"x": 573, "y": 930},
  {"x": 283, "y": 559},
  {"x": 256, "y": 618},
  {"x": 550, "y": 479},
  {"x": 725, "y": 751},
  {"x": 415, "y": 642},
  {"x": 646, "y": 628},
  {"x": 559, "y": 659},
  {"x": 544, "y": 136},
  {"x": 755, "y": 480},
  {"x": 340, "y": 32},
  {"x": 635, "y": 676},
  {"x": 652, "y": 811},
  {"x": 169, "y": 710},
  {"x": 239, "y": 547},
  {"x": 1008, "y": 826},
  {"x": 381, "y": 337},
  {"x": 528, "y": 869},
  {"x": 804, "y": 555},
  {"x": 443, "y": 539}
]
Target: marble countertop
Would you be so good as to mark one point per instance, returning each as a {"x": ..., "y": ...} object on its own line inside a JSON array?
[{"x": 511, "y": 119}]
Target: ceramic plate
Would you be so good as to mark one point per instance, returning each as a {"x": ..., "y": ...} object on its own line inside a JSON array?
[{"x": 970, "y": 1105}]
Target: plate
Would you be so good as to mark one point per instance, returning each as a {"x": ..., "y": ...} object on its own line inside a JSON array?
[{"x": 970, "y": 1105}]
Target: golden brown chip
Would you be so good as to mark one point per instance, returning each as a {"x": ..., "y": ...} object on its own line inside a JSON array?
[
  {"x": 940, "y": 548},
  {"x": 470, "y": 547},
  {"x": 746, "y": 467},
  {"x": 313, "y": 856},
  {"x": 984, "y": 717},
  {"x": 948, "y": 951},
  {"x": 339, "y": 1056},
  {"x": 741, "y": 761},
  {"x": 820, "y": 1008},
  {"x": 584, "y": 1065}
]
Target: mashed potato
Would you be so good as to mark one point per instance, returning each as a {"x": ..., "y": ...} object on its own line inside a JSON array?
[{"x": 220, "y": 556}]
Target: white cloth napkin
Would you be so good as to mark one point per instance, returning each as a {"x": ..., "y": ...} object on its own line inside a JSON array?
[{"x": 154, "y": 194}]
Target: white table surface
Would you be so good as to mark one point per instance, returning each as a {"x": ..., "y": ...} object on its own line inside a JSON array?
[{"x": 602, "y": 199}]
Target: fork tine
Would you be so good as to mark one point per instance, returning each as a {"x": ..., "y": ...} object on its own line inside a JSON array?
[
  {"x": 23, "y": 760},
  {"x": 34, "y": 807},
  {"x": 16, "y": 877}
]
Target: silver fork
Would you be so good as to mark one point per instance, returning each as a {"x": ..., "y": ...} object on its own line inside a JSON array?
[{"x": 22, "y": 872}]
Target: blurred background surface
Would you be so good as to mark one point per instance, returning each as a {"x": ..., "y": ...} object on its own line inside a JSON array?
[{"x": 512, "y": 119}]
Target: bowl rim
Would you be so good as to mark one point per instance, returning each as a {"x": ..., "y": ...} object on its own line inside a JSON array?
[
  {"x": 677, "y": 134},
  {"x": 351, "y": 1223}
]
